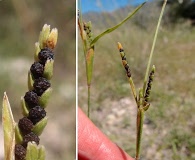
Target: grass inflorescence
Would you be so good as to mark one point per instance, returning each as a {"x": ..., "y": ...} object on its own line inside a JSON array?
[
  {"x": 34, "y": 102},
  {"x": 142, "y": 100}
]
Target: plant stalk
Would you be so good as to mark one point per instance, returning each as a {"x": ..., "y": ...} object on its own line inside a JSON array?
[
  {"x": 140, "y": 120},
  {"x": 140, "y": 111},
  {"x": 85, "y": 50},
  {"x": 89, "y": 96},
  {"x": 133, "y": 88}
]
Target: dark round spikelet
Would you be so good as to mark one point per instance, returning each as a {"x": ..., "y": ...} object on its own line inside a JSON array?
[
  {"x": 45, "y": 54},
  {"x": 25, "y": 125},
  {"x": 20, "y": 152},
  {"x": 40, "y": 85},
  {"x": 37, "y": 70},
  {"x": 36, "y": 114},
  {"x": 31, "y": 98},
  {"x": 29, "y": 138}
]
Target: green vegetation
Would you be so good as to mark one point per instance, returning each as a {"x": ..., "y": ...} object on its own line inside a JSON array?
[
  {"x": 19, "y": 28},
  {"x": 168, "y": 126},
  {"x": 88, "y": 43}
]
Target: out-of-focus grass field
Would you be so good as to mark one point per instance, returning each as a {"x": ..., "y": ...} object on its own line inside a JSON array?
[
  {"x": 20, "y": 25},
  {"x": 169, "y": 128}
]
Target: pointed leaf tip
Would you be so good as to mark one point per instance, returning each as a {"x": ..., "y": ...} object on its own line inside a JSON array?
[
  {"x": 6, "y": 111},
  {"x": 8, "y": 129}
]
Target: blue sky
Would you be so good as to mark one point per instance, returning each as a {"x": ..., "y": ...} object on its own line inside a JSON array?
[{"x": 106, "y": 5}]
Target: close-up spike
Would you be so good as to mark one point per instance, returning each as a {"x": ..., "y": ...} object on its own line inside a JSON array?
[
  {"x": 149, "y": 84},
  {"x": 35, "y": 100}
]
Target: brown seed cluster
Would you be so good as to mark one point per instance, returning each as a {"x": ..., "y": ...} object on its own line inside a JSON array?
[
  {"x": 149, "y": 86},
  {"x": 36, "y": 112},
  {"x": 124, "y": 60},
  {"x": 87, "y": 29}
]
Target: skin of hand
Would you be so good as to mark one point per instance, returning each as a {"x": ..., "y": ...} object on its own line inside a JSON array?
[{"x": 94, "y": 145}]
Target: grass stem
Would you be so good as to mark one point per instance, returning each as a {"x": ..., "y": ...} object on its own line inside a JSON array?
[
  {"x": 153, "y": 45},
  {"x": 140, "y": 119},
  {"x": 140, "y": 111},
  {"x": 89, "y": 95},
  {"x": 133, "y": 88}
]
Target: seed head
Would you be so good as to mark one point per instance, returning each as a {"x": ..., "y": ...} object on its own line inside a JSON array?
[
  {"x": 149, "y": 85},
  {"x": 124, "y": 60}
]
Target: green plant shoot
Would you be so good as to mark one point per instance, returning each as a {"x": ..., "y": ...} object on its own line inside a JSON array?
[
  {"x": 144, "y": 93},
  {"x": 89, "y": 46}
]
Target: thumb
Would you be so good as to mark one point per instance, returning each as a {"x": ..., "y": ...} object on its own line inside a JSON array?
[{"x": 94, "y": 145}]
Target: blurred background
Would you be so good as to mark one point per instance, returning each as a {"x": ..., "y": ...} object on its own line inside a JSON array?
[
  {"x": 169, "y": 126},
  {"x": 20, "y": 25}
]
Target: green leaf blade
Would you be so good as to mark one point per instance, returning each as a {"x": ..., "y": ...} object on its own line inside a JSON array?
[{"x": 117, "y": 26}]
